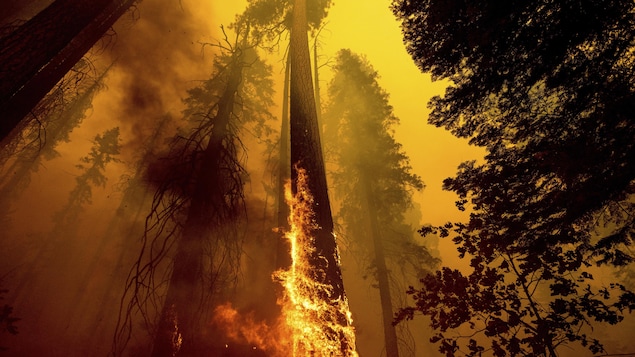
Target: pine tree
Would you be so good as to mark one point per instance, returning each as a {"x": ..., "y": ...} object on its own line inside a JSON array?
[
  {"x": 374, "y": 181},
  {"x": 198, "y": 206}
]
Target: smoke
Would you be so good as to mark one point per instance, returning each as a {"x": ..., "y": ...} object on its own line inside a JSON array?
[
  {"x": 158, "y": 55},
  {"x": 69, "y": 302}
]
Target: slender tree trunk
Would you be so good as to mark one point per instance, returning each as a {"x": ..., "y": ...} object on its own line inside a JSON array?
[
  {"x": 316, "y": 73},
  {"x": 40, "y": 52},
  {"x": 306, "y": 153},
  {"x": 283, "y": 257},
  {"x": 390, "y": 335},
  {"x": 179, "y": 315}
]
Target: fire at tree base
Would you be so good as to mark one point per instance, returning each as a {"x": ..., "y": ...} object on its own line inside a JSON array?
[
  {"x": 320, "y": 326},
  {"x": 311, "y": 323}
]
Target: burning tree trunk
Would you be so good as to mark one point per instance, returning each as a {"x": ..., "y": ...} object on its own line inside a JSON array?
[
  {"x": 40, "y": 52},
  {"x": 306, "y": 155},
  {"x": 306, "y": 152}
]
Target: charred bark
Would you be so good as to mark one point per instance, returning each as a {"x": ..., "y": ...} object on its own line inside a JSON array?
[
  {"x": 306, "y": 153},
  {"x": 316, "y": 73},
  {"x": 40, "y": 52}
]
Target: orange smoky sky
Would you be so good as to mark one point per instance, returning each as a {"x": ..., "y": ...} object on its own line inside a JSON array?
[
  {"x": 176, "y": 30},
  {"x": 369, "y": 28},
  {"x": 157, "y": 54}
]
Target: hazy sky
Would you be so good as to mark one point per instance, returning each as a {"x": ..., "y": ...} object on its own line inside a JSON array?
[
  {"x": 369, "y": 28},
  {"x": 159, "y": 56}
]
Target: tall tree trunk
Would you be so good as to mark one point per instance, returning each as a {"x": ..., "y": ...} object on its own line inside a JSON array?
[
  {"x": 40, "y": 52},
  {"x": 316, "y": 73},
  {"x": 383, "y": 281},
  {"x": 283, "y": 257},
  {"x": 179, "y": 315},
  {"x": 306, "y": 153}
]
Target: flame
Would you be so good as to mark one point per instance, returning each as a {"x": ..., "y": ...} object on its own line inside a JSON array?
[
  {"x": 314, "y": 322},
  {"x": 310, "y": 323},
  {"x": 244, "y": 328}
]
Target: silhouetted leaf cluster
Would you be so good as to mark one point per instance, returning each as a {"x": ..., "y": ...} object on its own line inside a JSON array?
[
  {"x": 7, "y": 320},
  {"x": 547, "y": 88}
]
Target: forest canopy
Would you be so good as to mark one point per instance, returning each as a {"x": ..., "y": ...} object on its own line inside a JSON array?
[
  {"x": 547, "y": 88},
  {"x": 172, "y": 195}
]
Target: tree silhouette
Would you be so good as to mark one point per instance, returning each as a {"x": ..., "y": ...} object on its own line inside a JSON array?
[
  {"x": 198, "y": 206},
  {"x": 547, "y": 89},
  {"x": 375, "y": 181},
  {"x": 122, "y": 231},
  {"x": 105, "y": 150},
  {"x": 36, "y": 55},
  {"x": 63, "y": 245},
  {"x": 7, "y": 319}
]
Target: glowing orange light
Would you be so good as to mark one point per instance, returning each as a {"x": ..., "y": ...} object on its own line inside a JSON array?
[
  {"x": 310, "y": 318},
  {"x": 310, "y": 325},
  {"x": 243, "y": 329}
]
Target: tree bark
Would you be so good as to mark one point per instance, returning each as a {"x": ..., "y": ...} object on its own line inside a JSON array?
[
  {"x": 316, "y": 72},
  {"x": 40, "y": 52},
  {"x": 306, "y": 153},
  {"x": 283, "y": 257}
]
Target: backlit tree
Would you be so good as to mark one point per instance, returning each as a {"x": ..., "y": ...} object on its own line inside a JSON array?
[{"x": 547, "y": 88}]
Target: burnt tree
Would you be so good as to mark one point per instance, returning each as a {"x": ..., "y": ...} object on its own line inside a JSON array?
[{"x": 306, "y": 154}]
